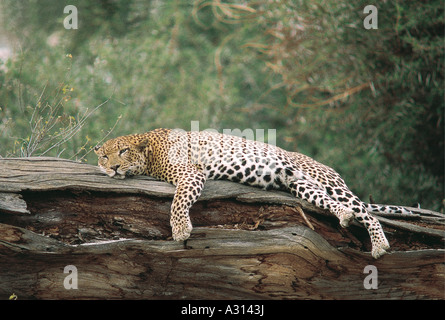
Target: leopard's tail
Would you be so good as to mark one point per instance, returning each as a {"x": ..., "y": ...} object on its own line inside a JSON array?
[{"x": 375, "y": 208}]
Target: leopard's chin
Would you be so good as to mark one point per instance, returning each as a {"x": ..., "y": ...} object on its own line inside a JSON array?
[{"x": 113, "y": 174}]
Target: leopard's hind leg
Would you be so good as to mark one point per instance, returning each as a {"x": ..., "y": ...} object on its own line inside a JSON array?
[
  {"x": 378, "y": 239},
  {"x": 312, "y": 193},
  {"x": 345, "y": 207}
]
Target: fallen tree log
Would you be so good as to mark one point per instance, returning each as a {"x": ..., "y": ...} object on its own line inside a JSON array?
[{"x": 114, "y": 237}]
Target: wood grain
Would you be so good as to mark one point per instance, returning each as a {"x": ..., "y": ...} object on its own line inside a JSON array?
[{"x": 246, "y": 244}]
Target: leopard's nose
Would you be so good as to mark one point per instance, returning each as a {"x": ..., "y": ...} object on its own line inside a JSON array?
[{"x": 115, "y": 167}]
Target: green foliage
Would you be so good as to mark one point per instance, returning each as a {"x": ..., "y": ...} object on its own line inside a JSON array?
[{"x": 367, "y": 102}]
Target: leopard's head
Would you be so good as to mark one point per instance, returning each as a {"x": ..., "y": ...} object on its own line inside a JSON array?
[{"x": 123, "y": 156}]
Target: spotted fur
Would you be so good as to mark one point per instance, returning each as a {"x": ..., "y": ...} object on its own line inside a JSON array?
[{"x": 188, "y": 159}]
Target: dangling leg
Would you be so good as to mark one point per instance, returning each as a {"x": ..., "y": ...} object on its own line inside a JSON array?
[
  {"x": 378, "y": 240},
  {"x": 188, "y": 189},
  {"x": 345, "y": 207},
  {"x": 312, "y": 193},
  {"x": 346, "y": 197}
]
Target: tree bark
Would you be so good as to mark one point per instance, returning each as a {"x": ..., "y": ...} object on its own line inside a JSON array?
[{"x": 246, "y": 243}]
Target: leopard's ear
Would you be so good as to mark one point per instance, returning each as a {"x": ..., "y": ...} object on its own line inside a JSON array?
[{"x": 142, "y": 144}]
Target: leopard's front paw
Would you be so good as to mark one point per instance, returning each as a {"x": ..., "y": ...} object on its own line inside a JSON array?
[
  {"x": 181, "y": 232},
  {"x": 378, "y": 252}
]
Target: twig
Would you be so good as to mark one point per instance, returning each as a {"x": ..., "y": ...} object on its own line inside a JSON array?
[
  {"x": 108, "y": 133},
  {"x": 301, "y": 212}
]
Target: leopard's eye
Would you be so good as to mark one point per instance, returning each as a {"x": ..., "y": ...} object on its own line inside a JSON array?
[
  {"x": 121, "y": 152},
  {"x": 104, "y": 157}
]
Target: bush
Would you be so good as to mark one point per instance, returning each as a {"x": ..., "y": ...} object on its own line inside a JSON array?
[{"x": 367, "y": 102}]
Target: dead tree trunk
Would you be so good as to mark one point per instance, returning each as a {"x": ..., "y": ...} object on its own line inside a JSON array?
[{"x": 246, "y": 244}]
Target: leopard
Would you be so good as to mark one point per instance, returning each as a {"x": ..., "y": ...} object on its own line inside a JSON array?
[{"x": 187, "y": 159}]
